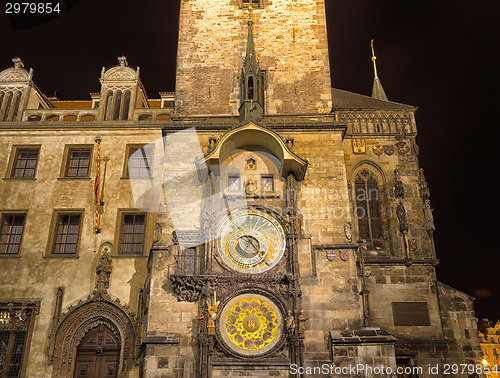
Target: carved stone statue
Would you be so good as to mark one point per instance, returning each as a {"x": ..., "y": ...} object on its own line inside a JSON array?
[
  {"x": 399, "y": 190},
  {"x": 201, "y": 322},
  {"x": 212, "y": 316},
  {"x": 157, "y": 233},
  {"x": 302, "y": 322},
  {"x": 250, "y": 187},
  {"x": 290, "y": 323},
  {"x": 348, "y": 231},
  {"x": 122, "y": 61},
  {"x": 18, "y": 63},
  {"x": 175, "y": 240},
  {"x": 103, "y": 270},
  {"x": 401, "y": 214}
]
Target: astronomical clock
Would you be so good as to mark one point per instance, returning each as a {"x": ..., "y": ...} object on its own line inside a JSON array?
[{"x": 251, "y": 241}]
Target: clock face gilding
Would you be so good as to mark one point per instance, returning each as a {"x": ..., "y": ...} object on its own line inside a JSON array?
[
  {"x": 251, "y": 241},
  {"x": 251, "y": 324}
]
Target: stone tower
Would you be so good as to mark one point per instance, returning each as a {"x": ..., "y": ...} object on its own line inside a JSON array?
[
  {"x": 290, "y": 42},
  {"x": 297, "y": 233}
]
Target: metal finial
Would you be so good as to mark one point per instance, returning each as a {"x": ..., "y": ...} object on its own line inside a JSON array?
[{"x": 374, "y": 58}]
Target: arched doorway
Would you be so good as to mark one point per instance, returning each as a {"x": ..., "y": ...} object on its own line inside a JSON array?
[{"x": 98, "y": 354}]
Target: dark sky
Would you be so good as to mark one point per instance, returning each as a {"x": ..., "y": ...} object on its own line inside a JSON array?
[{"x": 442, "y": 56}]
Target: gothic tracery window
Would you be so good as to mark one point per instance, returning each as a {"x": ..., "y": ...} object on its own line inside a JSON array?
[
  {"x": 367, "y": 212},
  {"x": 9, "y": 104}
]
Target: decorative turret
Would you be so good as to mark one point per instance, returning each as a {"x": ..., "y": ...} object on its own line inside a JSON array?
[
  {"x": 378, "y": 92},
  {"x": 252, "y": 89}
]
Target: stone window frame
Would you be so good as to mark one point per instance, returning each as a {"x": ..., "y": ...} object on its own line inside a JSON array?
[
  {"x": 21, "y": 315},
  {"x": 378, "y": 173},
  {"x": 54, "y": 225},
  {"x": 148, "y": 151},
  {"x": 116, "y": 105},
  {"x": 10, "y": 101},
  {"x": 122, "y": 213},
  {"x": 66, "y": 159},
  {"x": 14, "y": 157},
  {"x": 66, "y": 229},
  {"x": 234, "y": 178},
  {"x": 255, "y": 3},
  {"x": 267, "y": 176},
  {"x": 3, "y": 215}
]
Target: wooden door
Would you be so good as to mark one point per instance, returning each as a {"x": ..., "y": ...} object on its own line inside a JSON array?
[{"x": 98, "y": 354}]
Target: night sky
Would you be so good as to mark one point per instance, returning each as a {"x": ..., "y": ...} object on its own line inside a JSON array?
[{"x": 441, "y": 56}]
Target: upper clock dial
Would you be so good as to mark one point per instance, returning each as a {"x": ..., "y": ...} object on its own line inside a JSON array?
[{"x": 251, "y": 241}]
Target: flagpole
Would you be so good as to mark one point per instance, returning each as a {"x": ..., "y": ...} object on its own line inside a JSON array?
[{"x": 98, "y": 140}]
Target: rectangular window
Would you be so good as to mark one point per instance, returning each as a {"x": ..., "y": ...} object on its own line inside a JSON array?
[
  {"x": 132, "y": 234},
  {"x": 11, "y": 233},
  {"x": 78, "y": 162},
  {"x": 25, "y": 163},
  {"x": 15, "y": 329},
  {"x": 254, "y": 3},
  {"x": 67, "y": 234},
  {"x": 267, "y": 183},
  {"x": 139, "y": 162},
  {"x": 234, "y": 183}
]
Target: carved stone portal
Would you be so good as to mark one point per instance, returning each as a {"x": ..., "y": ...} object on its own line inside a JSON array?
[{"x": 98, "y": 309}]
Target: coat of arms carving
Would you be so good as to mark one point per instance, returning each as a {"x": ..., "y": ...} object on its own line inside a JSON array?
[
  {"x": 378, "y": 150},
  {"x": 389, "y": 149},
  {"x": 359, "y": 146},
  {"x": 402, "y": 147}
]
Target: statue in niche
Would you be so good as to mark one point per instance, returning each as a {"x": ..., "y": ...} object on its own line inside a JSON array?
[
  {"x": 302, "y": 322},
  {"x": 212, "y": 316},
  {"x": 103, "y": 270},
  {"x": 402, "y": 217},
  {"x": 251, "y": 164},
  {"x": 290, "y": 323},
  {"x": 201, "y": 322}
]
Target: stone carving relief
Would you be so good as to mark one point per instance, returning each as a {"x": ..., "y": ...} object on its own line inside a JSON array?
[
  {"x": 186, "y": 288},
  {"x": 99, "y": 308}
]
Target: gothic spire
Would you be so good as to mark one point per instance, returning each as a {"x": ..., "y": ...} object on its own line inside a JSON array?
[
  {"x": 378, "y": 91},
  {"x": 252, "y": 90},
  {"x": 250, "y": 57}
]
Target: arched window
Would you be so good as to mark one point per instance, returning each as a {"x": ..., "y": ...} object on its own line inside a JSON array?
[
  {"x": 108, "y": 105},
  {"x": 126, "y": 105},
  {"x": 250, "y": 88},
  {"x": 15, "y": 104},
  {"x": 367, "y": 198},
  {"x": 117, "y": 103},
  {"x": 6, "y": 104}
]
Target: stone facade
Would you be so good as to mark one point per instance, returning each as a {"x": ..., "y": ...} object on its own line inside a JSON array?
[
  {"x": 489, "y": 335},
  {"x": 208, "y": 65},
  {"x": 294, "y": 241}
]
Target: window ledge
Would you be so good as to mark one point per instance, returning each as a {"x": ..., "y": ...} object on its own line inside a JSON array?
[
  {"x": 10, "y": 255},
  {"x": 19, "y": 178},
  {"x": 137, "y": 178},
  {"x": 73, "y": 178},
  {"x": 124, "y": 256},
  {"x": 61, "y": 256}
]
